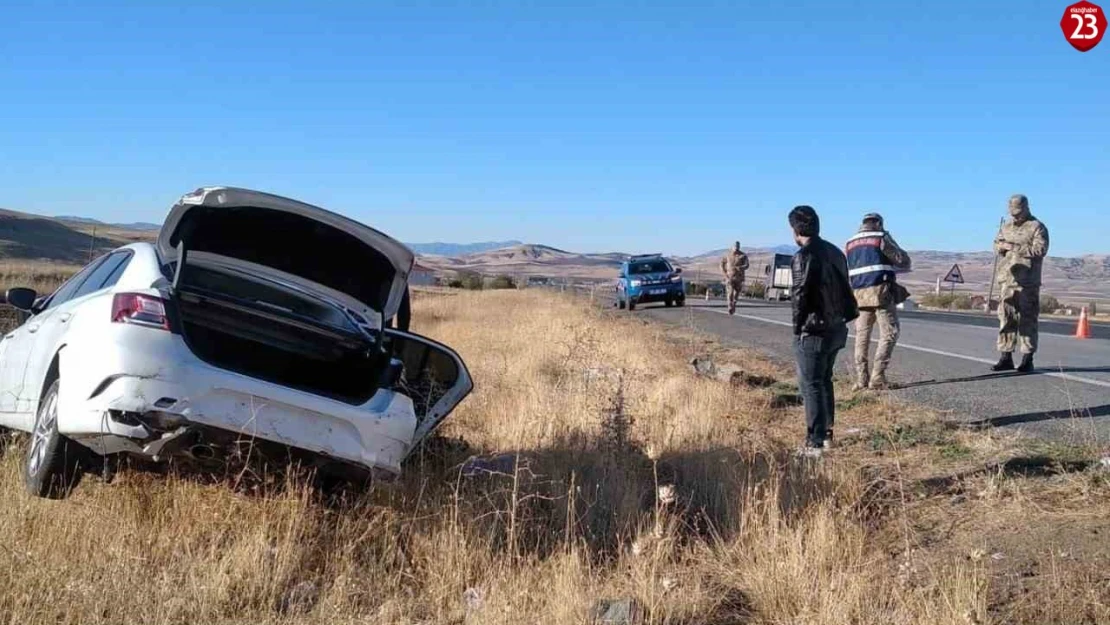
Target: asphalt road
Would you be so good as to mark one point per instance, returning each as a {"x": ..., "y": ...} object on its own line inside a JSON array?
[{"x": 943, "y": 361}]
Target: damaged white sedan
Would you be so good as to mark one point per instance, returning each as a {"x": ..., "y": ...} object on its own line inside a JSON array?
[{"x": 255, "y": 323}]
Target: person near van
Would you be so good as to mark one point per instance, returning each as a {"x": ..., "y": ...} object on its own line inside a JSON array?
[{"x": 733, "y": 265}]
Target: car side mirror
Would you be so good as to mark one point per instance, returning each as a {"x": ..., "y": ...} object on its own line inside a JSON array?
[
  {"x": 678, "y": 269},
  {"x": 22, "y": 299}
]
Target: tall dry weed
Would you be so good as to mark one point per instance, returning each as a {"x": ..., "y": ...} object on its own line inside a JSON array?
[{"x": 620, "y": 475}]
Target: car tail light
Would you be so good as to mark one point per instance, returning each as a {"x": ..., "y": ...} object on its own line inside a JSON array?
[{"x": 140, "y": 309}]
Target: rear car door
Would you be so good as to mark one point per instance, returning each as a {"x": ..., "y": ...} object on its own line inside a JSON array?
[
  {"x": 55, "y": 322},
  {"x": 18, "y": 353}
]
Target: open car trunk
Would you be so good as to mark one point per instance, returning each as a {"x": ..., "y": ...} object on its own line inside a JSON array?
[
  {"x": 269, "y": 331},
  {"x": 319, "y": 251},
  {"x": 296, "y": 295},
  {"x": 282, "y": 290}
]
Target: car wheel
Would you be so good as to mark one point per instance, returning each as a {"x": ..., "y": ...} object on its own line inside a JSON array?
[
  {"x": 620, "y": 304},
  {"x": 53, "y": 463},
  {"x": 668, "y": 303},
  {"x": 631, "y": 305},
  {"x": 680, "y": 302}
]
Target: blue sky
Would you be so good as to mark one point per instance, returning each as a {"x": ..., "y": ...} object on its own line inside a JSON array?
[{"x": 588, "y": 126}]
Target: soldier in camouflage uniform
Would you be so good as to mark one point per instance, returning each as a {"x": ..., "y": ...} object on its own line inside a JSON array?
[
  {"x": 873, "y": 260},
  {"x": 1022, "y": 244},
  {"x": 733, "y": 265}
]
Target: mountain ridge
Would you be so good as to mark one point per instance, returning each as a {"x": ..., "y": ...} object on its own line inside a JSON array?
[
  {"x": 137, "y": 225},
  {"x": 67, "y": 239},
  {"x": 439, "y": 248},
  {"x": 1076, "y": 279}
]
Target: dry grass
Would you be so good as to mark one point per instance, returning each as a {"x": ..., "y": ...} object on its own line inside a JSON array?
[
  {"x": 596, "y": 413},
  {"x": 42, "y": 276}
]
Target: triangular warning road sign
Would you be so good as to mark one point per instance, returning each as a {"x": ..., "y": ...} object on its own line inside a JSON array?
[{"x": 954, "y": 275}]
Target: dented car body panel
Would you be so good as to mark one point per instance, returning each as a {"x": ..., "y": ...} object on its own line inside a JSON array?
[{"x": 139, "y": 370}]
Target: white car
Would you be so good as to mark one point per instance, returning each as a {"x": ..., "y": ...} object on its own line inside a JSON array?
[{"x": 255, "y": 324}]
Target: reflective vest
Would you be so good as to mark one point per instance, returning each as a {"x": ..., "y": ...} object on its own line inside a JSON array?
[{"x": 867, "y": 265}]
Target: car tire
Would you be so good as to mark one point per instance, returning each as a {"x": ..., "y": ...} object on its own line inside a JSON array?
[
  {"x": 631, "y": 305},
  {"x": 620, "y": 304},
  {"x": 53, "y": 464},
  {"x": 680, "y": 302},
  {"x": 668, "y": 303}
]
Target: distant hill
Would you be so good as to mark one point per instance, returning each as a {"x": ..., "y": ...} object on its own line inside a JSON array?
[
  {"x": 138, "y": 225},
  {"x": 458, "y": 249},
  {"x": 1080, "y": 279},
  {"x": 70, "y": 240},
  {"x": 528, "y": 259},
  {"x": 1074, "y": 280},
  {"x": 778, "y": 249},
  {"x": 33, "y": 237}
]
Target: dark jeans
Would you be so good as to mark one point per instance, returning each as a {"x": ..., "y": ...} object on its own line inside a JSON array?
[{"x": 816, "y": 356}]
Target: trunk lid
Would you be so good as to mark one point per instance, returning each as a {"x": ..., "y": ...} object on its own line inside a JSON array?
[{"x": 321, "y": 251}]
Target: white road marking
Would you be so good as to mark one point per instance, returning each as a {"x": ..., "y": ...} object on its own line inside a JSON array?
[{"x": 1054, "y": 374}]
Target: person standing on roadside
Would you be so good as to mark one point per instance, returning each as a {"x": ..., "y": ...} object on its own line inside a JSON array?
[
  {"x": 733, "y": 265},
  {"x": 1022, "y": 244},
  {"x": 873, "y": 259},
  {"x": 823, "y": 305}
]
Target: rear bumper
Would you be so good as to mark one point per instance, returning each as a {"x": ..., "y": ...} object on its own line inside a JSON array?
[
  {"x": 657, "y": 293},
  {"x": 154, "y": 372}
]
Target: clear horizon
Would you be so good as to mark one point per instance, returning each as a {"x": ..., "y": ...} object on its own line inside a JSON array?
[
  {"x": 615, "y": 251},
  {"x": 610, "y": 127}
]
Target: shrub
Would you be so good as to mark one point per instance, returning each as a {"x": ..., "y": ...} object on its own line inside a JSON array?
[
  {"x": 755, "y": 289},
  {"x": 698, "y": 289},
  {"x": 466, "y": 280},
  {"x": 957, "y": 301},
  {"x": 1049, "y": 304},
  {"x": 502, "y": 282}
]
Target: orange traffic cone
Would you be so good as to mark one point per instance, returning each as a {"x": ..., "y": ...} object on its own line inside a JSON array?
[{"x": 1083, "y": 330}]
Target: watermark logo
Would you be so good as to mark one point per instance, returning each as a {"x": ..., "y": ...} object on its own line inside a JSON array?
[{"x": 1083, "y": 24}]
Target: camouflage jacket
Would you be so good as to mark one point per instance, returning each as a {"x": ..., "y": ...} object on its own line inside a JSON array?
[
  {"x": 882, "y": 295},
  {"x": 734, "y": 264},
  {"x": 1021, "y": 264}
]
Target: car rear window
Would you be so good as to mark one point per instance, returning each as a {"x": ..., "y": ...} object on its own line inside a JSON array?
[
  {"x": 67, "y": 290},
  {"x": 104, "y": 274}
]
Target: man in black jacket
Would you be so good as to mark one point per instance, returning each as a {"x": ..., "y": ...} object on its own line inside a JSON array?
[{"x": 823, "y": 305}]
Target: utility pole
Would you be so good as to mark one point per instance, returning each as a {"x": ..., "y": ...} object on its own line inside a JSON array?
[{"x": 92, "y": 243}]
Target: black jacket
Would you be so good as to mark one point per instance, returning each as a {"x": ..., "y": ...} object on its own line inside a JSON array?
[{"x": 822, "y": 295}]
